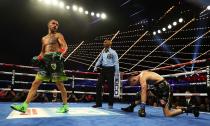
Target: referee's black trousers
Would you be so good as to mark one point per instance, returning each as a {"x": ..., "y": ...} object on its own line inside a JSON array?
[{"x": 107, "y": 73}]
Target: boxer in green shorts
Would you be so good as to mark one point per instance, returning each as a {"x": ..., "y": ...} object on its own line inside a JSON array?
[
  {"x": 50, "y": 65},
  {"x": 51, "y": 68}
]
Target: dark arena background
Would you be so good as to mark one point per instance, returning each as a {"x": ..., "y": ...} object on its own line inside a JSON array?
[{"x": 168, "y": 37}]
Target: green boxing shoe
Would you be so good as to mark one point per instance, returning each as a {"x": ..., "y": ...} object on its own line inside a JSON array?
[
  {"x": 63, "y": 109},
  {"x": 21, "y": 108}
]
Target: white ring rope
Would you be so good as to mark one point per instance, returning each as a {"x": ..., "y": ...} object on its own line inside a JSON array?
[
  {"x": 75, "y": 78},
  {"x": 196, "y": 83},
  {"x": 190, "y": 94},
  {"x": 81, "y": 92},
  {"x": 185, "y": 73},
  {"x": 33, "y": 75},
  {"x": 65, "y": 84},
  {"x": 170, "y": 75}
]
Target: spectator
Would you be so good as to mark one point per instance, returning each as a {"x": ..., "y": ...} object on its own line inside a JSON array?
[{"x": 7, "y": 95}]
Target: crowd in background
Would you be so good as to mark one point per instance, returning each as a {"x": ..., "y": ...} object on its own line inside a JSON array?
[{"x": 20, "y": 96}]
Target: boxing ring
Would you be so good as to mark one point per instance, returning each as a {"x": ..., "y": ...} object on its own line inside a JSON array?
[
  {"x": 82, "y": 113},
  {"x": 102, "y": 117}
]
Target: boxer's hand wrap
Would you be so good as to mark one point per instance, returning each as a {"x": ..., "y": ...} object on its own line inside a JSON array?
[
  {"x": 62, "y": 50},
  {"x": 40, "y": 58}
]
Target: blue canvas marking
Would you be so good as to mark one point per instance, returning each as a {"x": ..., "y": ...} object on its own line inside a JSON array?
[{"x": 154, "y": 117}]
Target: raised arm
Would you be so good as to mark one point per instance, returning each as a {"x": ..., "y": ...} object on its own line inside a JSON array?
[{"x": 63, "y": 44}]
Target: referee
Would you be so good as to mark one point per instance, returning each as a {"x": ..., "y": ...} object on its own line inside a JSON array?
[{"x": 108, "y": 61}]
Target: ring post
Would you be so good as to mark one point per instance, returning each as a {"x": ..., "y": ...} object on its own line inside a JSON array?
[
  {"x": 13, "y": 77},
  {"x": 208, "y": 77},
  {"x": 117, "y": 84},
  {"x": 72, "y": 86}
]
